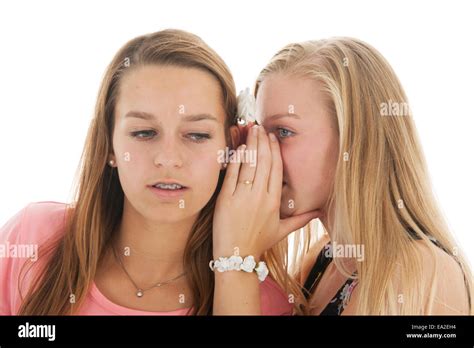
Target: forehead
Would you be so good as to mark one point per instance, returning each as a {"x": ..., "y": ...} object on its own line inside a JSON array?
[
  {"x": 156, "y": 89},
  {"x": 283, "y": 94}
]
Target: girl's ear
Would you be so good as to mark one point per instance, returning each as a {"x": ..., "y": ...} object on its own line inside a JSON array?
[
  {"x": 235, "y": 135},
  {"x": 239, "y": 134}
]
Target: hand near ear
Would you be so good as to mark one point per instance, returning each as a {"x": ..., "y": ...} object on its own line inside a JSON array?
[
  {"x": 247, "y": 218},
  {"x": 247, "y": 213}
]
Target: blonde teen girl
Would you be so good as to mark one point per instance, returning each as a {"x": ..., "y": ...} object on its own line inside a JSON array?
[{"x": 350, "y": 155}]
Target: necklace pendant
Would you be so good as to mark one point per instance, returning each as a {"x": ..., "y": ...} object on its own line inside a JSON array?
[{"x": 140, "y": 293}]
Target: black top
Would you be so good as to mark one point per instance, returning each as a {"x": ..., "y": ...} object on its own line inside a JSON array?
[{"x": 339, "y": 302}]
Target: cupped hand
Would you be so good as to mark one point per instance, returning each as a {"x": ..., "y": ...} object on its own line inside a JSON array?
[{"x": 247, "y": 214}]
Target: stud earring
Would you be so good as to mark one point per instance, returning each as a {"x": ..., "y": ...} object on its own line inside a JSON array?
[{"x": 111, "y": 163}]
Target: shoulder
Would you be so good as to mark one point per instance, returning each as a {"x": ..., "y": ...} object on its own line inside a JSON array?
[
  {"x": 34, "y": 222},
  {"x": 443, "y": 275},
  {"x": 310, "y": 257},
  {"x": 21, "y": 238},
  {"x": 273, "y": 300}
]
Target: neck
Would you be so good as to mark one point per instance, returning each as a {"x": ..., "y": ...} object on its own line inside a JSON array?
[
  {"x": 151, "y": 251},
  {"x": 324, "y": 220},
  {"x": 350, "y": 262}
]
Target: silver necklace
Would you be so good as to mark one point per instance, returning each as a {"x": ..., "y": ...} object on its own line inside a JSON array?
[{"x": 140, "y": 292}]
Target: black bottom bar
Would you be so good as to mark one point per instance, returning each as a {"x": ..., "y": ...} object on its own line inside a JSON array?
[{"x": 314, "y": 331}]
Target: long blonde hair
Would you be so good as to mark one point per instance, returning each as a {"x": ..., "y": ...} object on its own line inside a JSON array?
[
  {"x": 98, "y": 204},
  {"x": 381, "y": 197}
]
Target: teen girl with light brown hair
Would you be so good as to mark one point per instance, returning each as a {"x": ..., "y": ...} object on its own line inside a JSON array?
[{"x": 137, "y": 238}]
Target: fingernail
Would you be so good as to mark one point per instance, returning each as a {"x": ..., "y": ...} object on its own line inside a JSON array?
[
  {"x": 272, "y": 137},
  {"x": 255, "y": 130}
]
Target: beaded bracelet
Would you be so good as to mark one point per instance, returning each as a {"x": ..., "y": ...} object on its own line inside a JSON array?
[{"x": 236, "y": 263}]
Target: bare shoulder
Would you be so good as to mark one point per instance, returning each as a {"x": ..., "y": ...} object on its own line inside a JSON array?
[
  {"x": 443, "y": 274},
  {"x": 310, "y": 257}
]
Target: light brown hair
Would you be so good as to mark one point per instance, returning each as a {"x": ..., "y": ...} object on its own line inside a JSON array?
[{"x": 98, "y": 202}]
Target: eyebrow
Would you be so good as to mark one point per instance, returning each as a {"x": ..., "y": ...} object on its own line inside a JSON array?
[
  {"x": 278, "y": 116},
  {"x": 139, "y": 114},
  {"x": 188, "y": 118},
  {"x": 199, "y": 117}
]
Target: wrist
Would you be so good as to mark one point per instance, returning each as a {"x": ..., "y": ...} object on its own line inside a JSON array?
[{"x": 227, "y": 251}]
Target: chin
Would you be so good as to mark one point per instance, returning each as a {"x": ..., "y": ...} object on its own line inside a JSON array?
[
  {"x": 168, "y": 214},
  {"x": 170, "y": 219},
  {"x": 286, "y": 212},
  {"x": 284, "y": 215}
]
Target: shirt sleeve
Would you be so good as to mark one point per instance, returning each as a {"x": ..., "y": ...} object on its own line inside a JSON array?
[
  {"x": 9, "y": 237},
  {"x": 20, "y": 241}
]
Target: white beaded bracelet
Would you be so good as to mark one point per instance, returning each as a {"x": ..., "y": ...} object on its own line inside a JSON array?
[{"x": 236, "y": 263}]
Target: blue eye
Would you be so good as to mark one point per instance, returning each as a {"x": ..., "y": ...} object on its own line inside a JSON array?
[
  {"x": 284, "y": 133},
  {"x": 144, "y": 134},
  {"x": 199, "y": 137}
]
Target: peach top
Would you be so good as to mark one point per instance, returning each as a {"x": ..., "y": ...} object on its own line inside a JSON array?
[{"x": 38, "y": 222}]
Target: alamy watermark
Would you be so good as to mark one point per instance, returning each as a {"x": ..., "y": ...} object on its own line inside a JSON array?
[
  {"x": 37, "y": 331},
  {"x": 335, "y": 249},
  {"x": 237, "y": 156},
  {"x": 392, "y": 108},
  {"x": 27, "y": 251}
]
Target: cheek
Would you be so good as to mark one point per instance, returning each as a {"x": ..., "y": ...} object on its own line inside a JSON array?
[
  {"x": 133, "y": 156},
  {"x": 135, "y": 169},
  {"x": 135, "y": 164},
  {"x": 288, "y": 154},
  {"x": 299, "y": 161},
  {"x": 315, "y": 176},
  {"x": 320, "y": 174},
  {"x": 309, "y": 167},
  {"x": 202, "y": 168},
  {"x": 205, "y": 169}
]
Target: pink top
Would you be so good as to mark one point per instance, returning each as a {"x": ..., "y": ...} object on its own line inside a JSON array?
[{"x": 36, "y": 223}]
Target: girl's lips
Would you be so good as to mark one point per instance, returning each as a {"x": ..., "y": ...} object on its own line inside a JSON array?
[{"x": 162, "y": 193}]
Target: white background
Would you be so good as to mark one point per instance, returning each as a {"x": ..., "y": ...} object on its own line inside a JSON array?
[{"x": 53, "y": 55}]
